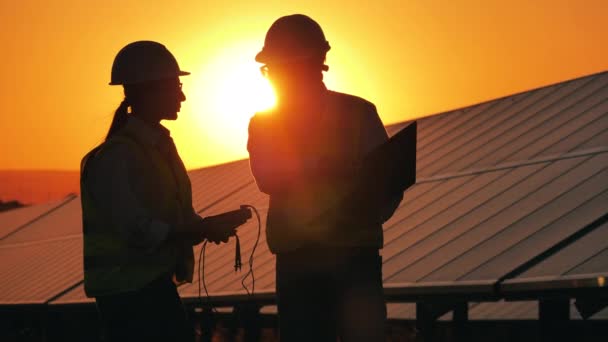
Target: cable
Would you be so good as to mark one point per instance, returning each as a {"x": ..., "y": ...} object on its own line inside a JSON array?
[
  {"x": 237, "y": 264},
  {"x": 201, "y": 276},
  {"x": 255, "y": 246}
]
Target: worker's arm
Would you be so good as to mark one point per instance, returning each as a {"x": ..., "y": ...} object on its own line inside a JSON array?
[
  {"x": 274, "y": 168},
  {"x": 372, "y": 135},
  {"x": 216, "y": 228},
  {"x": 115, "y": 184}
]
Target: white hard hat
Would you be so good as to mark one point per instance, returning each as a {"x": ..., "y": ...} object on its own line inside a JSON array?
[{"x": 144, "y": 61}]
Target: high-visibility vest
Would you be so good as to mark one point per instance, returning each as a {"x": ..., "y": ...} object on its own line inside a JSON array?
[{"x": 111, "y": 265}]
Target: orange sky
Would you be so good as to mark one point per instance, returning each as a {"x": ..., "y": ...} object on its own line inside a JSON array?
[{"x": 411, "y": 58}]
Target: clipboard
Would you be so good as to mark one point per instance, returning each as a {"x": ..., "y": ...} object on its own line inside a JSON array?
[
  {"x": 389, "y": 169},
  {"x": 385, "y": 173}
]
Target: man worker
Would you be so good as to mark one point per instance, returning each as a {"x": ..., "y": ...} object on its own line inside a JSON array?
[{"x": 304, "y": 153}]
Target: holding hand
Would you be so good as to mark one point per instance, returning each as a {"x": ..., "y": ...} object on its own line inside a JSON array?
[
  {"x": 217, "y": 228},
  {"x": 221, "y": 227}
]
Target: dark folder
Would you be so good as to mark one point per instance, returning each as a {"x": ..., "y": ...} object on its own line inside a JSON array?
[{"x": 386, "y": 172}]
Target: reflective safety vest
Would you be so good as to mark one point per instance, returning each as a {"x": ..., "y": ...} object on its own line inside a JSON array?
[{"x": 111, "y": 265}]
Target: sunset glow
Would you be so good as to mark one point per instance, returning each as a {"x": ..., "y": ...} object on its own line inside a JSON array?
[
  {"x": 226, "y": 92},
  {"x": 411, "y": 59}
]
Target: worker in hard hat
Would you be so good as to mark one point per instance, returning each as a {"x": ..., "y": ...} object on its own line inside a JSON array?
[
  {"x": 304, "y": 153},
  {"x": 139, "y": 225}
]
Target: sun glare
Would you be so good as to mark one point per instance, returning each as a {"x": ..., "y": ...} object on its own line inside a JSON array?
[
  {"x": 242, "y": 91},
  {"x": 225, "y": 92}
]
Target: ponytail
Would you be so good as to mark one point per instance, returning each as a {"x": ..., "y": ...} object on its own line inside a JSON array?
[{"x": 120, "y": 118}]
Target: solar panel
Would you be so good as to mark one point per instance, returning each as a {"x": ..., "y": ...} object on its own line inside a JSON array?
[{"x": 498, "y": 185}]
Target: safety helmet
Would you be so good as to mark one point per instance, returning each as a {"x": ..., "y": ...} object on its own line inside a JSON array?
[
  {"x": 144, "y": 61},
  {"x": 293, "y": 37}
]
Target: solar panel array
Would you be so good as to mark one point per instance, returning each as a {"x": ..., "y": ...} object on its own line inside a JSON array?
[{"x": 499, "y": 184}]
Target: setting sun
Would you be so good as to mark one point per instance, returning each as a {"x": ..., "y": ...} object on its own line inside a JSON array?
[
  {"x": 226, "y": 91},
  {"x": 241, "y": 90},
  {"x": 410, "y": 59}
]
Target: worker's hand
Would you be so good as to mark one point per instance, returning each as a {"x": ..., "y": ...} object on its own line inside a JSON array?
[
  {"x": 191, "y": 232},
  {"x": 219, "y": 234},
  {"x": 220, "y": 228},
  {"x": 192, "y": 238},
  {"x": 196, "y": 232}
]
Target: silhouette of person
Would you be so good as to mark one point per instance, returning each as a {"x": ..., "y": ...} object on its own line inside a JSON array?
[
  {"x": 304, "y": 153},
  {"x": 139, "y": 225}
]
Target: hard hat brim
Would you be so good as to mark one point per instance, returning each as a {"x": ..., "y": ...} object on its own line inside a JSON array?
[
  {"x": 180, "y": 73},
  {"x": 266, "y": 57}
]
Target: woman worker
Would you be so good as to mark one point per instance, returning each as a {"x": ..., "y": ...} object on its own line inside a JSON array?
[{"x": 139, "y": 225}]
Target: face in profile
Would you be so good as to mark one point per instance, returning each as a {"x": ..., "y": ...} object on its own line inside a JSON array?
[
  {"x": 169, "y": 98},
  {"x": 161, "y": 99}
]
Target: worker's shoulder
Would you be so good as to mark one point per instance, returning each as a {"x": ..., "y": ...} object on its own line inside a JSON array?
[
  {"x": 262, "y": 120},
  {"x": 259, "y": 116},
  {"x": 118, "y": 145},
  {"x": 350, "y": 102},
  {"x": 352, "y": 108},
  {"x": 111, "y": 151}
]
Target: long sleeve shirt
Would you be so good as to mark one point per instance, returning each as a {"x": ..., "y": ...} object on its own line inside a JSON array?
[{"x": 305, "y": 162}]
